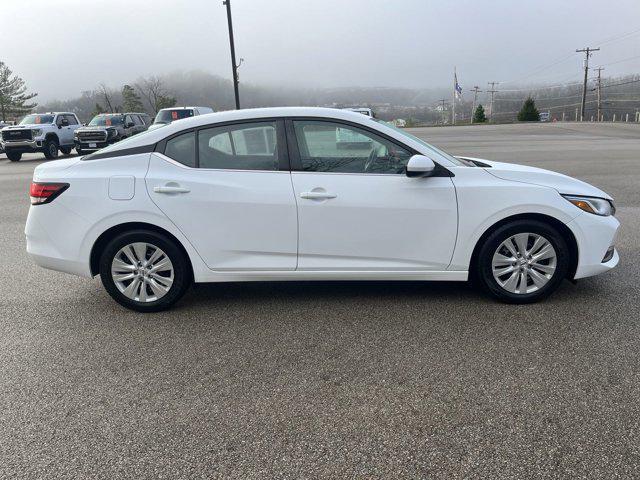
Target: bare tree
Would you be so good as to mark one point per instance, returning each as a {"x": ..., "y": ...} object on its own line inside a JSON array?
[
  {"x": 153, "y": 91},
  {"x": 104, "y": 91}
]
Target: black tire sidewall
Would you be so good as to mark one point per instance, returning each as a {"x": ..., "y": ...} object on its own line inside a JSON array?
[
  {"x": 13, "y": 156},
  {"x": 484, "y": 270},
  {"x": 66, "y": 150},
  {"x": 182, "y": 272},
  {"x": 47, "y": 149}
]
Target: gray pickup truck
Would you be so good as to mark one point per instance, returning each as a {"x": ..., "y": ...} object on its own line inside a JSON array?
[{"x": 108, "y": 128}]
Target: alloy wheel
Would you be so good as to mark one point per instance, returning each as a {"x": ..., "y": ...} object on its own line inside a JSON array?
[
  {"x": 524, "y": 263},
  {"x": 142, "y": 272}
]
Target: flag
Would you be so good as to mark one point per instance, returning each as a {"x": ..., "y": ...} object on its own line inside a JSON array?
[{"x": 457, "y": 87}]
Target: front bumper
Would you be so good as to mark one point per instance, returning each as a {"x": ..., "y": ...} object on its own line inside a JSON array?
[
  {"x": 595, "y": 235},
  {"x": 88, "y": 146},
  {"x": 23, "y": 146}
]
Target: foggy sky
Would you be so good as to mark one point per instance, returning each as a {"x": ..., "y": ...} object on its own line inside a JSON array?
[{"x": 61, "y": 47}]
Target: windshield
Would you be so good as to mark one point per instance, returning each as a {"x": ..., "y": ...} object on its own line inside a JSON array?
[
  {"x": 36, "y": 119},
  {"x": 106, "y": 120},
  {"x": 168, "y": 116},
  {"x": 437, "y": 151}
]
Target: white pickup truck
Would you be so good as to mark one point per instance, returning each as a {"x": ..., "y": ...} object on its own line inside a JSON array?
[{"x": 41, "y": 132}]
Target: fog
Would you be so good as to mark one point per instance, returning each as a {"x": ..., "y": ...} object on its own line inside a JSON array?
[{"x": 63, "y": 47}]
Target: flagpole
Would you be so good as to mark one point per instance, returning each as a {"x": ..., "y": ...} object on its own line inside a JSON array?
[{"x": 453, "y": 112}]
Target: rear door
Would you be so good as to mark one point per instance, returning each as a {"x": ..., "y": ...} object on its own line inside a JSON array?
[
  {"x": 228, "y": 189},
  {"x": 358, "y": 210}
]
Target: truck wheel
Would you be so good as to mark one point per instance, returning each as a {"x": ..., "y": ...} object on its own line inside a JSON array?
[
  {"x": 14, "y": 156},
  {"x": 50, "y": 149},
  {"x": 66, "y": 150},
  {"x": 79, "y": 151}
]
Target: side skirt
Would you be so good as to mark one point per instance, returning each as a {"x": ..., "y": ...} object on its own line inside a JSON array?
[{"x": 275, "y": 276}]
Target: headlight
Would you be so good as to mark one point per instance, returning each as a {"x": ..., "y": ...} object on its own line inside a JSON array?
[
  {"x": 597, "y": 206},
  {"x": 36, "y": 132},
  {"x": 113, "y": 133}
]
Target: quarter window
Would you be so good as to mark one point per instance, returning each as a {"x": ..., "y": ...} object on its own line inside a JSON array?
[
  {"x": 335, "y": 147},
  {"x": 182, "y": 149},
  {"x": 247, "y": 146}
]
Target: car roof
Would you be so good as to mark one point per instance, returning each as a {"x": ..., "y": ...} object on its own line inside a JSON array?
[{"x": 154, "y": 136}]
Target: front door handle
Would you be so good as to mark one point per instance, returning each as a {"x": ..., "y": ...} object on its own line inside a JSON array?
[
  {"x": 171, "y": 189},
  {"x": 317, "y": 195}
]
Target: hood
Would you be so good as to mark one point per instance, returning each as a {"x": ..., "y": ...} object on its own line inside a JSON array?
[
  {"x": 25, "y": 127},
  {"x": 539, "y": 176},
  {"x": 53, "y": 169},
  {"x": 96, "y": 128}
]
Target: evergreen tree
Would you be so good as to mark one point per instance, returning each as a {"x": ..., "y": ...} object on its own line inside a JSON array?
[
  {"x": 165, "y": 101},
  {"x": 131, "y": 100},
  {"x": 13, "y": 95},
  {"x": 529, "y": 112},
  {"x": 97, "y": 110},
  {"x": 478, "y": 115}
]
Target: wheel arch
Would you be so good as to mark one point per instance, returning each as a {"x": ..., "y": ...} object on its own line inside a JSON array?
[
  {"x": 52, "y": 135},
  {"x": 106, "y": 236},
  {"x": 562, "y": 228}
]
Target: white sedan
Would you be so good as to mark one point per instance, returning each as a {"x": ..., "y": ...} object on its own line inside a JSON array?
[{"x": 309, "y": 194}]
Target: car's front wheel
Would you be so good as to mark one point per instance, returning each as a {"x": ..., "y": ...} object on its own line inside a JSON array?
[
  {"x": 523, "y": 261},
  {"x": 51, "y": 149},
  {"x": 13, "y": 156},
  {"x": 144, "y": 271},
  {"x": 66, "y": 150}
]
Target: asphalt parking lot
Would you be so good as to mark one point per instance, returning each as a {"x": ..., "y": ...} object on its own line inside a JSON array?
[{"x": 332, "y": 380}]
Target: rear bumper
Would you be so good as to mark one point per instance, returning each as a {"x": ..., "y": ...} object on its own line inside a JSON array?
[
  {"x": 595, "y": 235},
  {"x": 58, "y": 251}
]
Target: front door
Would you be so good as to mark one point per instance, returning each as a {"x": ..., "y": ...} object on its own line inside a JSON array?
[
  {"x": 358, "y": 210},
  {"x": 228, "y": 189}
]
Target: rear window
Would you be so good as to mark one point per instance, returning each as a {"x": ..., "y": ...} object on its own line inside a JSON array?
[{"x": 168, "y": 116}]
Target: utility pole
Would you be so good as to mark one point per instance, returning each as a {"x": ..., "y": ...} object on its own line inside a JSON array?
[
  {"x": 493, "y": 91},
  {"x": 443, "y": 110},
  {"x": 599, "y": 90},
  {"x": 475, "y": 91},
  {"x": 233, "y": 54},
  {"x": 587, "y": 51}
]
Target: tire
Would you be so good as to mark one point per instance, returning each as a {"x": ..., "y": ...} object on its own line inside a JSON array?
[
  {"x": 511, "y": 277},
  {"x": 79, "y": 151},
  {"x": 66, "y": 150},
  {"x": 13, "y": 156},
  {"x": 129, "y": 294},
  {"x": 51, "y": 149}
]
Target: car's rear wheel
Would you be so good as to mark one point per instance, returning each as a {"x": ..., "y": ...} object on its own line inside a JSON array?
[
  {"x": 523, "y": 261},
  {"x": 50, "y": 149},
  {"x": 144, "y": 271},
  {"x": 13, "y": 156}
]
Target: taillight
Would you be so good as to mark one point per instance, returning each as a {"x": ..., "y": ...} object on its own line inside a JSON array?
[{"x": 45, "y": 192}]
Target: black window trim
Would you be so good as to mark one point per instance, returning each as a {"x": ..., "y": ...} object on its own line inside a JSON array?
[
  {"x": 281, "y": 139},
  {"x": 296, "y": 160}
]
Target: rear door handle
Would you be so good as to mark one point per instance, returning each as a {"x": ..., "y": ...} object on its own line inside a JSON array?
[
  {"x": 317, "y": 195},
  {"x": 171, "y": 189}
]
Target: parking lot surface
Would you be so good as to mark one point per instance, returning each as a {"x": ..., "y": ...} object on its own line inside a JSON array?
[{"x": 333, "y": 380}]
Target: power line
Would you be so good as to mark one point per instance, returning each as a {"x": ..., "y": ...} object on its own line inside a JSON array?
[
  {"x": 621, "y": 83},
  {"x": 622, "y": 61}
]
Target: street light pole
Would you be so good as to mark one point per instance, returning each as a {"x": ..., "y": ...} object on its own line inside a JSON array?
[{"x": 233, "y": 54}]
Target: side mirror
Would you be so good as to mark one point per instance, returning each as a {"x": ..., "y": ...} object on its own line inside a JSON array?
[{"x": 420, "y": 166}]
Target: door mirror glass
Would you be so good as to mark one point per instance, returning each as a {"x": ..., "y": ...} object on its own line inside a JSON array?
[{"x": 420, "y": 166}]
